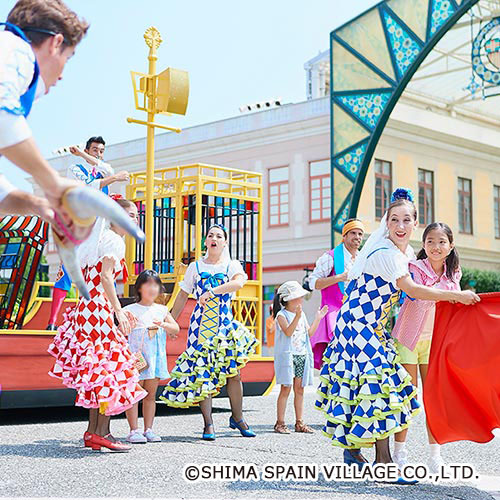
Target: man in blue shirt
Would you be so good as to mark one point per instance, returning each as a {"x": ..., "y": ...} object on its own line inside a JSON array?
[
  {"x": 97, "y": 174},
  {"x": 39, "y": 38}
]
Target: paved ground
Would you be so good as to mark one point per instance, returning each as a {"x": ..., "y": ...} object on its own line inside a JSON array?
[{"x": 41, "y": 455}]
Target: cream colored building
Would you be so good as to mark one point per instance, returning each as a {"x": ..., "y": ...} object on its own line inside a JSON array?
[{"x": 290, "y": 145}]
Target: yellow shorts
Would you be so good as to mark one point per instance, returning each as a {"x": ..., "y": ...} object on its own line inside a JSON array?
[{"x": 419, "y": 355}]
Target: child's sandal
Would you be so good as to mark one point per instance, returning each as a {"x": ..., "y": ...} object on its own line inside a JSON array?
[
  {"x": 281, "y": 428},
  {"x": 300, "y": 426}
]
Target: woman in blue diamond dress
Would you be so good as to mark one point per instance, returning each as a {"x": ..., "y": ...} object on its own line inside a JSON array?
[
  {"x": 365, "y": 394},
  {"x": 218, "y": 346}
]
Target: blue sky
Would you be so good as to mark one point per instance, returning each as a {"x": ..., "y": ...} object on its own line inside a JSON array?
[{"x": 236, "y": 53}]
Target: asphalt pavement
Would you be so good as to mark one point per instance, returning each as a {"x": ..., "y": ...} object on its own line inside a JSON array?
[{"x": 42, "y": 455}]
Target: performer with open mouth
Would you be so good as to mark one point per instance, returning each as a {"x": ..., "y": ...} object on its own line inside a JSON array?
[
  {"x": 218, "y": 346},
  {"x": 364, "y": 393}
]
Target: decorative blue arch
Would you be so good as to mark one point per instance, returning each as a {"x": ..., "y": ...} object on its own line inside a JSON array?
[{"x": 372, "y": 59}]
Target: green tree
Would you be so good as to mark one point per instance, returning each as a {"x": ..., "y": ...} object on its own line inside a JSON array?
[{"x": 482, "y": 281}]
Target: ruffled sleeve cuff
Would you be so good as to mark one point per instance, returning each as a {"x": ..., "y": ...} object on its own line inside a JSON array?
[
  {"x": 389, "y": 264},
  {"x": 187, "y": 284},
  {"x": 235, "y": 268},
  {"x": 113, "y": 246},
  {"x": 322, "y": 269}
]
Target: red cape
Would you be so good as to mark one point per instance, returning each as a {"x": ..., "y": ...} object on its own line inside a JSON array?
[{"x": 462, "y": 389}]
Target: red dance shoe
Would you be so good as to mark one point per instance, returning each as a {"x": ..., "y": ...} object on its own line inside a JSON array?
[
  {"x": 99, "y": 442},
  {"x": 87, "y": 439}
]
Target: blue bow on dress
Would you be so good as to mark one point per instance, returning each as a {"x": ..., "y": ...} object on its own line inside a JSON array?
[{"x": 212, "y": 279}]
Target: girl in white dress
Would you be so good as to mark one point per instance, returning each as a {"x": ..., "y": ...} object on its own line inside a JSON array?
[{"x": 153, "y": 323}]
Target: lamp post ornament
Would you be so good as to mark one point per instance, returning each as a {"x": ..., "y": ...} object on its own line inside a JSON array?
[
  {"x": 153, "y": 39},
  {"x": 163, "y": 93}
]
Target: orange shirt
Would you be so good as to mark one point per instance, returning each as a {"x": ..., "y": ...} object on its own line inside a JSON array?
[{"x": 270, "y": 329}]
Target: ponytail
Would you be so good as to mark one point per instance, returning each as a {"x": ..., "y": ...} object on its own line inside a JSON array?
[
  {"x": 452, "y": 263},
  {"x": 421, "y": 255},
  {"x": 278, "y": 303}
]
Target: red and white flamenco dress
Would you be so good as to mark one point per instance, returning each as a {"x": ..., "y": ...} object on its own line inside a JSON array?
[{"x": 92, "y": 355}]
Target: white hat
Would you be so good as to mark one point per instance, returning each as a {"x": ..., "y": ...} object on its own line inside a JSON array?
[{"x": 291, "y": 290}]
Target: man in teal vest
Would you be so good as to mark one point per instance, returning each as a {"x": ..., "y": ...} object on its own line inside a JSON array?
[{"x": 329, "y": 276}]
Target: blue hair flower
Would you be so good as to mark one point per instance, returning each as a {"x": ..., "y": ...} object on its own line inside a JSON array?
[{"x": 402, "y": 194}]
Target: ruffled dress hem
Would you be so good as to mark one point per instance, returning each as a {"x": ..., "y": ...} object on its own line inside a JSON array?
[
  {"x": 370, "y": 400},
  {"x": 200, "y": 373},
  {"x": 82, "y": 367}
]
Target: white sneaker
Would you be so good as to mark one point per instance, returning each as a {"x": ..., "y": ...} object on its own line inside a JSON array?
[
  {"x": 435, "y": 464},
  {"x": 136, "y": 437},
  {"x": 150, "y": 436},
  {"x": 400, "y": 458}
]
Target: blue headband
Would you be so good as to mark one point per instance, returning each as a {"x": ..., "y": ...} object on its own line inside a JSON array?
[{"x": 220, "y": 226}]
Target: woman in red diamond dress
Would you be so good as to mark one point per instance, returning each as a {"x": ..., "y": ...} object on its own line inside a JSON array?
[{"x": 92, "y": 353}]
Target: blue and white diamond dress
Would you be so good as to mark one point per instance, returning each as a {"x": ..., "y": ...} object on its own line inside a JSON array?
[
  {"x": 217, "y": 347},
  {"x": 364, "y": 393}
]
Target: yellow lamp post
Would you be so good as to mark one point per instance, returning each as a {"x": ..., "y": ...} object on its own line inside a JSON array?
[{"x": 165, "y": 93}]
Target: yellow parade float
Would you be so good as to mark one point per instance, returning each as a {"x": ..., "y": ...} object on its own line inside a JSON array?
[{"x": 176, "y": 205}]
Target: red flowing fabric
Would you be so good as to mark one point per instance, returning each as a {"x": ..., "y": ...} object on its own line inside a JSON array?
[{"x": 462, "y": 389}]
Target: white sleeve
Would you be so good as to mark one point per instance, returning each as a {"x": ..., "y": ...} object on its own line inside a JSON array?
[
  {"x": 322, "y": 269},
  {"x": 389, "y": 264},
  {"x": 13, "y": 129},
  {"x": 187, "y": 284},
  {"x": 164, "y": 311},
  {"x": 5, "y": 187},
  {"x": 130, "y": 308},
  {"x": 105, "y": 169},
  {"x": 111, "y": 245},
  {"x": 234, "y": 269}
]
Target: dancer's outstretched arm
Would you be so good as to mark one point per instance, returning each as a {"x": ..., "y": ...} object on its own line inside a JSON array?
[
  {"x": 122, "y": 176},
  {"x": 19, "y": 202},
  {"x": 422, "y": 292},
  {"x": 28, "y": 157},
  {"x": 76, "y": 151},
  {"x": 169, "y": 325}
]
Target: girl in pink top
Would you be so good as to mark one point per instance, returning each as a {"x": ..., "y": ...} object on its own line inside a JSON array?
[{"x": 437, "y": 265}]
